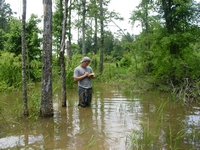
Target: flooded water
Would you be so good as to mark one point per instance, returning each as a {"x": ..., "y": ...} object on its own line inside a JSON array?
[{"x": 113, "y": 122}]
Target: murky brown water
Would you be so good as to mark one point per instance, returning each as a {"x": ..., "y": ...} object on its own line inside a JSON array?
[{"x": 110, "y": 124}]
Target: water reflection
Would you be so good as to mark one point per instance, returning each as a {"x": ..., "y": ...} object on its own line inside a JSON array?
[{"x": 108, "y": 124}]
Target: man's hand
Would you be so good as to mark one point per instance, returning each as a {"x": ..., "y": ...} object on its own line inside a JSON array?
[
  {"x": 86, "y": 74},
  {"x": 81, "y": 77},
  {"x": 91, "y": 75}
]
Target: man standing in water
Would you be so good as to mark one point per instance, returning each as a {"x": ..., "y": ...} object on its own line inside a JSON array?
[{"x": 83, "y": 74}]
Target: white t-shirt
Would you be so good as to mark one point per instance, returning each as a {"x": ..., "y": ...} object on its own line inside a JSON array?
[{"x": 86, "y": 82}]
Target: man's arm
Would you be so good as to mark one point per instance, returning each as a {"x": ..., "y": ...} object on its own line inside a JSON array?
[{"x": 81, "y": 77}]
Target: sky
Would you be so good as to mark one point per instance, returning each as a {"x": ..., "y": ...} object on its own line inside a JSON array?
[{"x": 124, "y": 8}]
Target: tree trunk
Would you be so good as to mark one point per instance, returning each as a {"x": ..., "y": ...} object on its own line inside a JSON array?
[
  {"x": 60, "y": 35},
  {"x": 95, "y": 32},
  {"x": 95, "y": 38},
  {"x": 146, "y": 3},
  {"x": 69, "y": 50},
  {"x": 46, "y": 106},
  {"x": 168, "y": 8},
  {"x": 24, "y": 89},
  {"x": 171, "y": 20},
  {"x": 83, "y": 27},
  {"x": 102, "y": 37},
  {"x": 62, "y": 56}
]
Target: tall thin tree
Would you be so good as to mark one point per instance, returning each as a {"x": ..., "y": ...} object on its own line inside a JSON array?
[
  {"x": 24, "y": 54},
  {"x": 69, "y": 50},
  {"x": 102, "y": 37},
  {"x": 83, "y": 26},
  {"x": 96, "y": 29},
  {"x": 46, "y": 106},
  {"x": 62, "y": 55}
]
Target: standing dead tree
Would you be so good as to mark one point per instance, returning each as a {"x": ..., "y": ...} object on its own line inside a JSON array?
[
  {"x": 46, "y": 106},
  {"x": 62, "y": 56},
  {"x": 24, "y": 54}
]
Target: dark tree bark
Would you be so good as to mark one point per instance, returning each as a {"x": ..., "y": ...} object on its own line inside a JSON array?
[
  {"x": 46, "y": 107},
  {"x": 95, "y": 37},
  {"x": 83, "y": 26},
  {"x": 146, "y": 22},
  {"x": 69, "y": 50},
  {"x": 24, "y": 54},
  {"x": 170, "y": 20},
  {"x": 62, "y": 56},
  {"x": 102, "y": 37},
  {"x": 60, "y": 38}
]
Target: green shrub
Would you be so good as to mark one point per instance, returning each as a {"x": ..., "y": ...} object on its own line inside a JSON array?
[
  {"x": 35, "y": 70},
  {"x": 10, "y": 69},
  {"x": 126, "y": 61}
]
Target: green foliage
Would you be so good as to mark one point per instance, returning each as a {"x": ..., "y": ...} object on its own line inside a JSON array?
[
  {"x": 13, "y": 42},
  {"x": 165, "y": 49},
  {"x": 34, "y": 105},
  {"x": 75, "y": 48},
  {"x": 3, "y": 86},
  {"x": 117, "y": 52},
  {"x": 2, "y": 39},
  {"x": 88, "y": 45},
  {"x": 126, "y": 61},
  {"x": 108, "y": 43},
  {"x": 6, "y": 12},
  {"x": 35, "y": 70},
  {"x": 70, "y": 74},
  {"x": 10, "y": 69},
  {"x": 57, "y": 24},
  {"x": 33, "y": 38},
  {"x": 169, "y": 66},
  {"x": 190, "y": 63},
  {"x": 109, "y": 72}
]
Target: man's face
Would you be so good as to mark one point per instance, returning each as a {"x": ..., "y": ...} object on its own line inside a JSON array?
[{"x": 85, "y": 63}]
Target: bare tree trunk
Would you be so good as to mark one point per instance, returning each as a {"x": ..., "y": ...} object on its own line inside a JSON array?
[
  {"x": 46, "y": 106},
  {"x": 24, "y": 89},
  {"x": 83, "y": 26},
  {"x": 102, "y": 37},
  {"x": 69, "y": 50},
  {"x": 28, "y": 65},
  {"x": 95, "y": 37},
  {"x": 60, "y": 38},
  {"x": 62, "y": 56},
  {"x": 95, "y": 31},
  {"x": 69, "y": 35},
  {"x": 78, "y": 29}
]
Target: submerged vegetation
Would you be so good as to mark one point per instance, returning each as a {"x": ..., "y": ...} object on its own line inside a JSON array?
[
  {"x": 163, "y": 134},
  {"x": 160, "y": 124}
]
